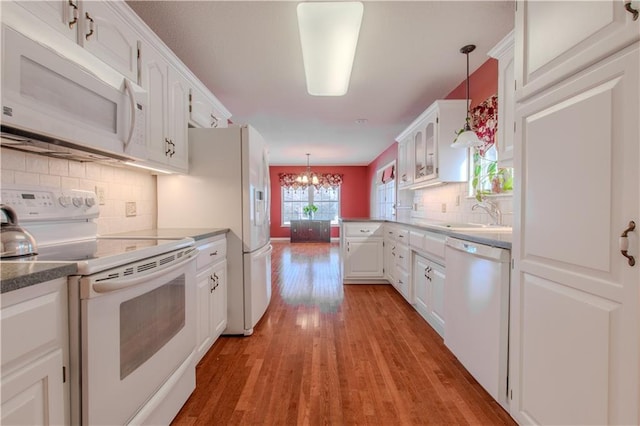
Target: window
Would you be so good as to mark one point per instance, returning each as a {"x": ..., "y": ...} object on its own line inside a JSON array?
[
  {"x": 327, "y": 200},
  {"x": 486, "y": 177},
  {"x": 386, "y": 192}
]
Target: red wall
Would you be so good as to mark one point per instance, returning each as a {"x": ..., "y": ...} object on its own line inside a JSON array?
[
  {"x": 482, "y": 84},
  {"x": 354, "y": 195}
]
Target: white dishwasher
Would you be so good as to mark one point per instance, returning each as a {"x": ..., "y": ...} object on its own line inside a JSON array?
[{"x": 476, "y": 308}]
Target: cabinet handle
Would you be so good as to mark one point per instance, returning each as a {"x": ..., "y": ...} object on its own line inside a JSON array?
[
  {"x": 624, "y": 243},
  {"x": 210, "y": 283},
  {"x": 173, "y": 147},
  {"x": 631, "y": 10},
  {"x": 74, "y": 14},
  {"x": 365, "y": 230},
  {"x": 167, "y": 144},
  {"x": 215, "y": 253},
  {"x": 214, "y": 121},
  {"x": 91, "y": 26}
]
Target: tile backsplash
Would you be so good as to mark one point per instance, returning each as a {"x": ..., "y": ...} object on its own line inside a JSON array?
[
  {"x": 120, "y": 184},
  {"x": 428, "y": 204}
]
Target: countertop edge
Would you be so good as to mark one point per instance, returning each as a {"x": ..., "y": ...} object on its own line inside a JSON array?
[
  {"x": 20, "y": 274},
  {"x": 471, "y": 237}
]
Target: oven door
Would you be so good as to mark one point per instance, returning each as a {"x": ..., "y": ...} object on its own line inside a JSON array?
[{"x": 135, "y": 334}]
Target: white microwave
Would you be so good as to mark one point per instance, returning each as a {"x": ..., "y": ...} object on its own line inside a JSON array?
[{"x": 54, "y": 99}]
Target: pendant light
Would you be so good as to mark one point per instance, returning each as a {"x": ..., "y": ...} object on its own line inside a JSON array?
[
  {"x": 467, "y": 137},
  {"x": 308, "y": 177}
]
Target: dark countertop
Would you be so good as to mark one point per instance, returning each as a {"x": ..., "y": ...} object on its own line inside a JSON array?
[
  {"x": 171, "y": 233},
  {"x": 23, "y": 273},
  {"x": 494, "y": 239},
  {"x": 18, "y": 274}
]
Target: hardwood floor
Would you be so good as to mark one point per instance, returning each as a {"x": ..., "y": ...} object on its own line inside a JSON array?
[{"x": 330, "y": 354}]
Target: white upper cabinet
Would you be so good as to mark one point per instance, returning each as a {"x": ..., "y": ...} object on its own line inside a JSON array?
[
  {"x": 105, "y": 35},
  {"x": 167, "y": 125},
  {"x": 427, "y": 141},
  {"x": 205, "y": 111},
  {"x": 61, "y": 15},
  {"x": 503, "y": 52},
  {"x": 405, "y": 161},
  {"x": 96, "y": 26},
  {"x": 555, "y": 39}
]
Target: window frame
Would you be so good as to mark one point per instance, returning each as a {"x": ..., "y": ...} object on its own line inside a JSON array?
[{"x": 310, "y": 199}]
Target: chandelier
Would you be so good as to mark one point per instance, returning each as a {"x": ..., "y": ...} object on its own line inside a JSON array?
[{"x": 307, "y": 177}]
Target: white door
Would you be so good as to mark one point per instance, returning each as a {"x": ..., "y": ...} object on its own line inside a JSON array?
[{"x": 574, "y": 302}]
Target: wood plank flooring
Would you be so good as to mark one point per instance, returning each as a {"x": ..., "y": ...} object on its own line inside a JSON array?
[{"x": 330, "y": 354}]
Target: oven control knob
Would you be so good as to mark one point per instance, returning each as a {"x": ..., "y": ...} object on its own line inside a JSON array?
[
  {"x": 64, "y": 200},
  {"x": 77, "y": 201},
  {"x": 90, "y": 202}
]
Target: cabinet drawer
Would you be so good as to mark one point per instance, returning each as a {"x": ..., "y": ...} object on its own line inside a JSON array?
[
  {"x": 363, "y": 229},
  {"x": 402, "y": 235},
  {"x": 428, "y": 243},
  {"x": 211, "y": 253}
]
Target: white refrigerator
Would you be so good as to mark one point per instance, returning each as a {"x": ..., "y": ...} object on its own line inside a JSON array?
[{"x": 227, "y": 187}]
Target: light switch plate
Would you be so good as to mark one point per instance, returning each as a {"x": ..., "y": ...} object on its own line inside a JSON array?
[{"x": 130, "y": 208}]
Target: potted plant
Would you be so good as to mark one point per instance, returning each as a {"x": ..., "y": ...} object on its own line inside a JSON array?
[{"x": 309, "y": 210}]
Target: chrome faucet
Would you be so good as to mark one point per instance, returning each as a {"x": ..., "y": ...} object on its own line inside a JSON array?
[{"x": 492, "y": 209}]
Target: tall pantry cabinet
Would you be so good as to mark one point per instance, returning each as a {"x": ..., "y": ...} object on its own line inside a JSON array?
[{"x": 575, "y": 315}]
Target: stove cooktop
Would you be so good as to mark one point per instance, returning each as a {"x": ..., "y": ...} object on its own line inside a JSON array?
[{"x": 99, "y": 254}]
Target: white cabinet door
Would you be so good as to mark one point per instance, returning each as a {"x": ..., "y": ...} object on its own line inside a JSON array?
[
  {"x": 204, "y": 319},
  {"x": 104, "y": 34},
  {"x": 364, "y": 258},
  {"x": 503, "y": 52},
  {"x": 436, "y": 277},
  {"x": 219, "y": 300},
  {"x": 33, "y": 395},
  {"x": 155, "y": 75},
  {"x": 555, "y": 39},
  {"x": 421, "y": 285},
  {"x": 428, "y": 285},
  {"x": 575, "y": 334},
  {"x": 35, "y": 350},
  {"x": 168, "y": 109},
  {"x": 389, "y": 260},
  {"x": 178, "y": 114},
  {"x": 61, "y": 15},
  {"x": 405, "y": 162},
  {"x": 202, "y": 112}
]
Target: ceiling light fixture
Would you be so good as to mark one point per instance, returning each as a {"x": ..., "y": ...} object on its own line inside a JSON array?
[
  {"x": 308, "y": 177},
  {"x": 467, "y": 137},
  {"x": 329, "y": 35}
]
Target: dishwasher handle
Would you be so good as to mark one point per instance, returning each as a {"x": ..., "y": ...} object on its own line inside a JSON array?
[{"x": 495, "y": 254}]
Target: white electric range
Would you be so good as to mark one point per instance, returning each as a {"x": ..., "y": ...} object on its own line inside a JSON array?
[{"x": 131, "y": 309}]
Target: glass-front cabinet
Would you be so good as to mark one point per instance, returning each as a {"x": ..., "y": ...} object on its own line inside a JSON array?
[{"x": 427, "y": 141}]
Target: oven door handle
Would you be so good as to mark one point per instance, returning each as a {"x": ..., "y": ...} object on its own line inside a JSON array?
[{"x": 107, "y": 287}]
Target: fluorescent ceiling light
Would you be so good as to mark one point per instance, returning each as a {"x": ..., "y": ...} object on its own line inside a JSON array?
[{"x": 329, "y": 35}]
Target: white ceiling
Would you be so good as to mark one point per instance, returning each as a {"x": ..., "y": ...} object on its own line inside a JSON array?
[{"x": 248, "y": 54}]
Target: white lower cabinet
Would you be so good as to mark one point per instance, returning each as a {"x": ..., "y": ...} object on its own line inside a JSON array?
[
  {"x": 363, "y": 258},
  {"x": 362, "y": 250},
  {"x": 211, "y": 292},
  {"x": 428, "y": 285},
  {"x": 35, "y": 354}
]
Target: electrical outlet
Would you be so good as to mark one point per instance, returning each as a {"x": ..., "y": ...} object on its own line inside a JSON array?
[
  {"x": 100, "y": 193},
  {"x": 444, "y": 207},
  {"x": 130, "y": 208},
  {"x": 457, "y": 200}
]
